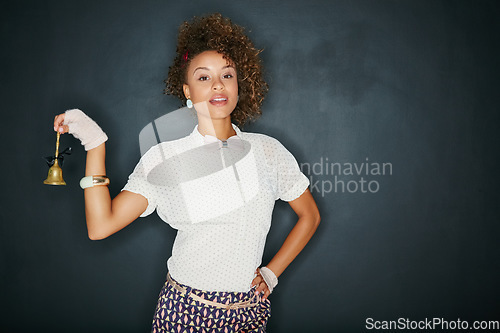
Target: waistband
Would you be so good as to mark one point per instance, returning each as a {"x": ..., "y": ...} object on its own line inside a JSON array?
[{"x": 237, "y": 305}]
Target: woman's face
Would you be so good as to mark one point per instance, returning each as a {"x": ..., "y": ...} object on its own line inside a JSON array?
[{"x": 212, "y": 85}]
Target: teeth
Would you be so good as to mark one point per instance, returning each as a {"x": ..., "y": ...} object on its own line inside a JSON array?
[{"x": 219, "y": 99}]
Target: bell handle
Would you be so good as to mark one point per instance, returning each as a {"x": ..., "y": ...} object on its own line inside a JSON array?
[{"x": 57, "y": 144}]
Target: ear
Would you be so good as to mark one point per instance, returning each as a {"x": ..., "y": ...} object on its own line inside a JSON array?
[{"x": 185, "y": 88}]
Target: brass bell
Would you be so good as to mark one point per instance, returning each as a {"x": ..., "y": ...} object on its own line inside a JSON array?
[{"x": 55, "y": 176}]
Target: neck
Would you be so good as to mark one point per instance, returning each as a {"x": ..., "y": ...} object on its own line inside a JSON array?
[{"x": 220, "y": 128}]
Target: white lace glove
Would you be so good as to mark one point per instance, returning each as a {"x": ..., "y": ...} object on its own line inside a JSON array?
[
  {"x": 269, "y": 278},
  {"x": 84, "y": 129}
]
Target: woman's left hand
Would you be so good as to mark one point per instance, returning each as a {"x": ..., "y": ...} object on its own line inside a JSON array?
[{"x": 261, "y": 285}]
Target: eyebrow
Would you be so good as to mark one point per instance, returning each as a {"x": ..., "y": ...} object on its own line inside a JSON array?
[{"x": 206, "y": 68}]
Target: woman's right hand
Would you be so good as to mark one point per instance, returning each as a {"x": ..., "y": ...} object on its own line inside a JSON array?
[
  {"x": 59, "y": 124},
  {"x": 81, "y": 127}
]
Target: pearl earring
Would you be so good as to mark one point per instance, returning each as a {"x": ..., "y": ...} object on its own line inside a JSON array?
[{"x": 189, "y": 103}]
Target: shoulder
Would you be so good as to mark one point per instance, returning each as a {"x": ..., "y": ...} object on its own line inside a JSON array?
[
  {"x": 260, "y": 138},
  {"x": 166, "y": 149},
  {"x": 266, "y": 146},
  {"x": 177, "y": 144}
]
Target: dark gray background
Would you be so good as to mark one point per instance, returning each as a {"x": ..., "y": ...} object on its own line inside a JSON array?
[{"x": 412, "y": 83}]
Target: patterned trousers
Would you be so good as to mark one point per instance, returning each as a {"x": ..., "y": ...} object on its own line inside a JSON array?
[{"x": 178, "y": 313}]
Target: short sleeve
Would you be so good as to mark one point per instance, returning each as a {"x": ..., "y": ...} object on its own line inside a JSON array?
[
  {"x": 291, "y": 182},
  {"x": 138, "y": 183}
]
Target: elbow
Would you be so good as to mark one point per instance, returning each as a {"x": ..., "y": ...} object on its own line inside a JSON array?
[
  {"x": 315, "y": 216},
  {"x": 96, "y": 233},
  {"x": 317, "y": 220},
  {"x": 313, "y": 219},
  {"x": 96, "y": 236}
]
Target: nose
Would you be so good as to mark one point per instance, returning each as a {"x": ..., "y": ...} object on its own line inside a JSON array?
[{"x": 217, "y": 84}]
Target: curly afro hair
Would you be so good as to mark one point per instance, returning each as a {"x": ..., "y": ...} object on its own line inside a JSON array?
[{"x": 217, "y": 33}]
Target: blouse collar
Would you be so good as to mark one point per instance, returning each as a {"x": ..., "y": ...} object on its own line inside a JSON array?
[{"x": 200, "y": 138}]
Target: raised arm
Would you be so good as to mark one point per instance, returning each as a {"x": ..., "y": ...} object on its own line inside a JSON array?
[{"x": 104, "y": 216}]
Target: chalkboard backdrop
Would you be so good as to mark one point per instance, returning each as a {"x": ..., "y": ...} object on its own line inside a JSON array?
[{"x": 390, "y": 107}]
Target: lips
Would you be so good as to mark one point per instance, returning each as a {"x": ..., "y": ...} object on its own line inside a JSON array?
[{"x": 218, "y": 100}]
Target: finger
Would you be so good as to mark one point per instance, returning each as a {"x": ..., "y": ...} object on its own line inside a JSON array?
[
  {"x": 63, "y": 129},
  {"x": 257, "y": 291},
  {"x": 266, "y": 294},
  {"x": 262, "y": 286},
  {"x": 256, "y": 281},
  {"x": 58, "y": 121}
]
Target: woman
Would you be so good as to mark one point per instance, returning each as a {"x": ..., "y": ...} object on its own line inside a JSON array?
[{"x": 219, "y": 199}]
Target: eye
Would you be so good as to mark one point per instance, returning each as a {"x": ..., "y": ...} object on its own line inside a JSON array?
[
  {"x": 203, "y": 78},
  {"x": 227, "y": 76}
]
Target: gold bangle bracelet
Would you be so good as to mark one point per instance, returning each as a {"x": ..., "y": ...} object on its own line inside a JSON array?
[{"x": 90, "y": 181}]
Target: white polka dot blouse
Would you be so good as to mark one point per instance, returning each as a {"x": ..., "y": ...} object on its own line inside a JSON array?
[{"x": 220, "y": 196}]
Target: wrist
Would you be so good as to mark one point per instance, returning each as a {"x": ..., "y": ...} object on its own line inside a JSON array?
[
  {"x": 96, "y": 161},
  {"x": 269, "y": 278},
  {"x": 277, "y": 272},
  {"x": 96, "y": 142}
]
